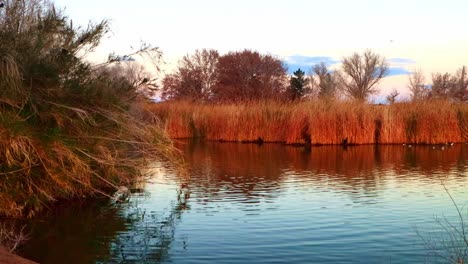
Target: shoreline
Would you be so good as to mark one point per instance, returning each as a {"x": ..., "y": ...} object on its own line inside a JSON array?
[
  {"x": 7, "y": 257},
  {"x": 298, "y": 144}
]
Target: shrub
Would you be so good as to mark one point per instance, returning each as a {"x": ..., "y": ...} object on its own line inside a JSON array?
[{"x": 66, "y": 129}]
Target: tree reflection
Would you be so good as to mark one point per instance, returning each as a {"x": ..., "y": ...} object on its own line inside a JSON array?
[
  {"x": 95, "y": 231},
  {"x": 251, "y": 173}
]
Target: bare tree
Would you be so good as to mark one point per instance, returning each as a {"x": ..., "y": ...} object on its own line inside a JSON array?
[
  {"x": 361, "y": 72},
  {"x": 416, "y": 85},
  {"x": 195, "y": 77},
  {"x": 459, "y": 90},
  {"x": 441, "y": 85},
  {"x": 205, "y": 63},
  {"x": 324, "y": 81},
  {"x": 448, "y": 86},
  {"x": 391, "y": 98},
  {"x": 135, "y": 75}
]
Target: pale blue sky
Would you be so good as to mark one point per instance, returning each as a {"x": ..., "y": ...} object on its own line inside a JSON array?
[{"x": 430, "y": 35}]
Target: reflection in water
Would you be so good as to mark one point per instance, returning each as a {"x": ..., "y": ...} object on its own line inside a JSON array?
[
  {"x": 257, "y": 172},
  {"x": 100, "y": 231},
  {"x": 62, "y": 237},
  {"x": 271, "y": 203},
  {"x": 149, "y": 236}
]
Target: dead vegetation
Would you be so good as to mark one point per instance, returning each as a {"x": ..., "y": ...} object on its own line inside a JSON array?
[
  {"x": 317, "y": 122},
  {"x": 67, "y": 129},
  {"x": 12, "y": 237}
]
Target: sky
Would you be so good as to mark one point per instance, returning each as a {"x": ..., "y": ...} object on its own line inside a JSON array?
[{"x": 431, "y": 36}]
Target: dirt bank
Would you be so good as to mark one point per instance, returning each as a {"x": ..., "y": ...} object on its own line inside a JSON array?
[{"x": 10, "y": 258}]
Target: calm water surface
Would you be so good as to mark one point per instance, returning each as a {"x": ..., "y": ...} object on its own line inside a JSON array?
[{"x": 243, "y": 203}]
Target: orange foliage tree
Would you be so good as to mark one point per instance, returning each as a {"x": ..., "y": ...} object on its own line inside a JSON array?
[{"x": 249, "y": 75}]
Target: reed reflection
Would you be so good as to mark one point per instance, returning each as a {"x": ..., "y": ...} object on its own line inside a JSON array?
[{"x": 251, "y": 173}]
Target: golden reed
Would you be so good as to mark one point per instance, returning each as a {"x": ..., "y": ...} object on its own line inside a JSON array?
[{"x": 317, "y": 122}]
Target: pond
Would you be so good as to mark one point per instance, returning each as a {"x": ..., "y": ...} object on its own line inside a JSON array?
[{"x": 245, "y": 203}]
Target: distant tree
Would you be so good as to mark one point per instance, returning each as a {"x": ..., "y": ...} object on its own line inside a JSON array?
[
  {"x": 298, "y": 85},
  {"x": 360, "y": 74},
  {"x": 391, "y": 98},
  {"x": 194, "y": 78},
  {"x": 324, "y": 81},
  {"x": 249, "y": 75},
  {"x": 441, "y": 85},
  {"x": 459, "y": 90},
  {"x": 448, "y": 86},
  {"x": 418, "y": 90},
  {"x": 135, "y": 75}
]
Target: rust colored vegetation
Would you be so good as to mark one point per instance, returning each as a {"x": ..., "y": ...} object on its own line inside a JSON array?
[{"x": 317, "y": 122}]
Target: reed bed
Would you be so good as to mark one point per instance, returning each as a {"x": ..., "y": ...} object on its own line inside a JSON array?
[{"x": 317, "y": 122}]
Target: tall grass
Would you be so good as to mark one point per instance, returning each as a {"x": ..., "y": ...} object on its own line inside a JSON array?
[
  {"x": 66, "y": 129},
  {"x": 317, "y": 122}
]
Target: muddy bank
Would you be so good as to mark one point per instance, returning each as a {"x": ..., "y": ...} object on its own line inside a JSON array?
[{"x": 9, "y": 258}]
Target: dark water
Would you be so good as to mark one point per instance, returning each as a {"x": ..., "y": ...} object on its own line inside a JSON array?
[{"x": 271, "y": 204}]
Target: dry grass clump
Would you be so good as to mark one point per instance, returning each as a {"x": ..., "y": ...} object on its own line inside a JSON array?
[
  {"x": 66, "y": 129},
  {"x": 317, "y": 122}
]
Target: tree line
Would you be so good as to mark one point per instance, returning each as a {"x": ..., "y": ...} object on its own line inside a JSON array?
[
  {"x": 249, "y": 75},
  {"x": 444, "y": 86}
]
